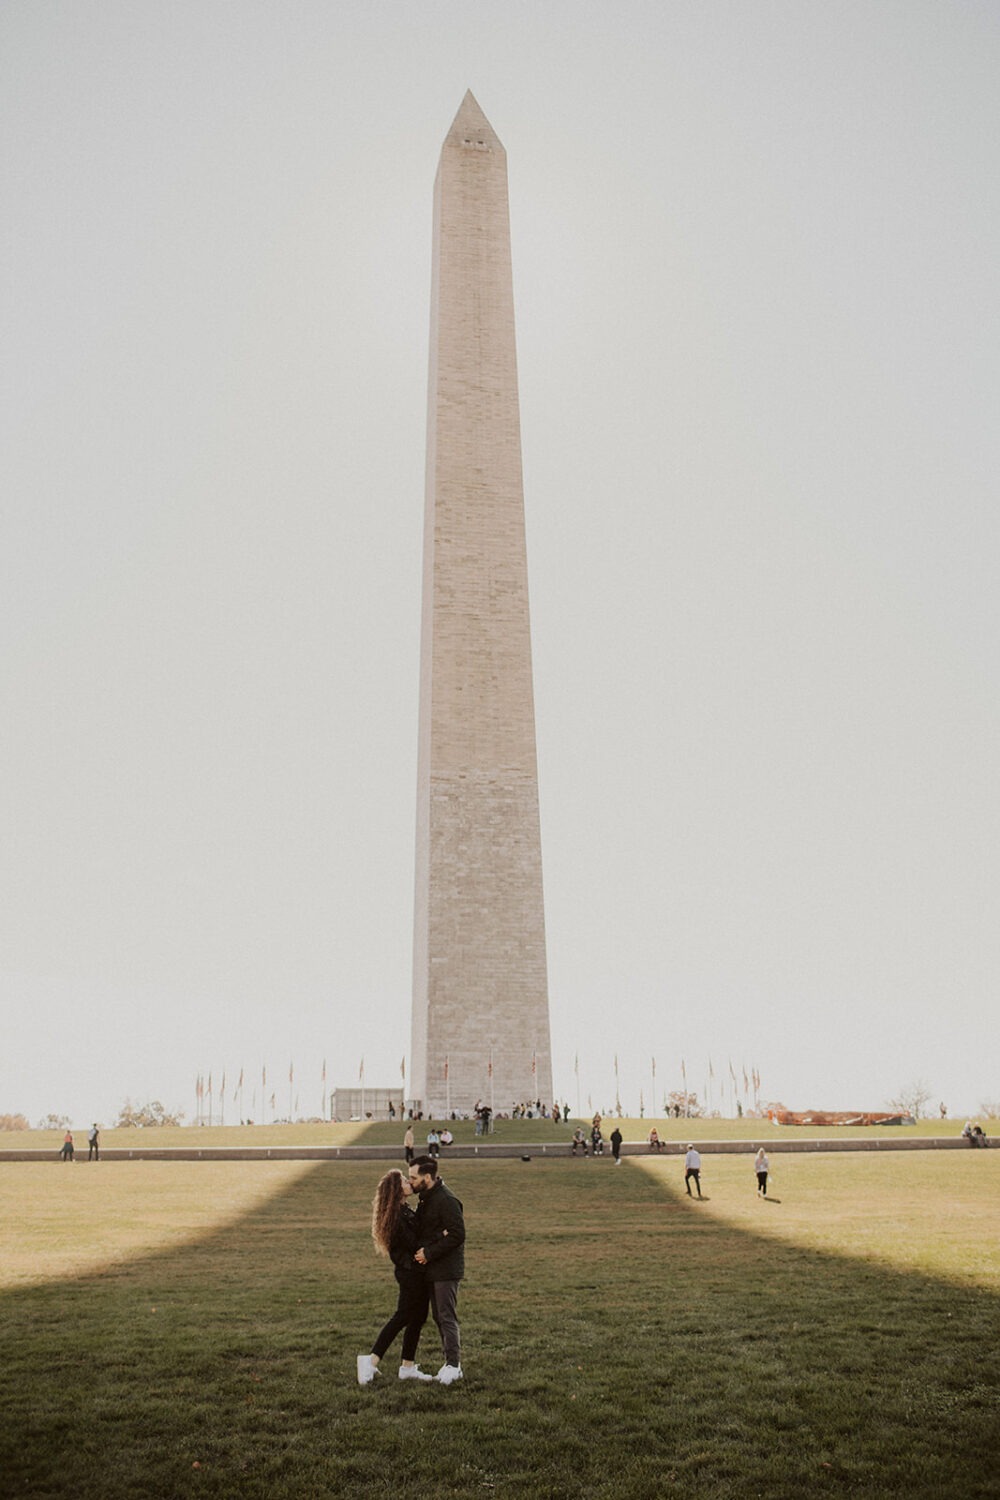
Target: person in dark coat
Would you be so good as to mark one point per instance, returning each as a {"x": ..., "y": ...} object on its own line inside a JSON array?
[
  {"x": 441, "y": 1232},
  {"x": 394, "y": 1231},
  {"x": 616, "y": 1146}
]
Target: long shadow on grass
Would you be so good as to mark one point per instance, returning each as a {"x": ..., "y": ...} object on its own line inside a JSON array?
[{"x": 617, "y": 1344}]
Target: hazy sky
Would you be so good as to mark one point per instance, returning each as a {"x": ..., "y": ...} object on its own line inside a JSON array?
[{"x": 755, "y": 258}]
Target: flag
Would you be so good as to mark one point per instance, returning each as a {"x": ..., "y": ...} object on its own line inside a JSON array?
[
  {"x": 263, "y": 1078},
  {"x": 446, "y": 1065},
  {"x": 291, "y": 1071},
  {"x": 576, "y": 1065},
  {"x": 324, "y": 1070},
  {"x": 654, "y": 1068},
  {"x": 361, "y": 1070},
  {"x": 746, "y": 1081},
  {"x": 731, "y": 1073},
  {"x": 210, "y": 1085},
  {"x": 489, "y": 1065},
  {"x": 684, "y": 1073},
  {"x": 402, "y": 1067},
  {"x": 616, "y": 1064},
  {"x": 272, "y": 1101},
  {"x": 711, "y": 1070},
  {"x": 222, "y": 1089},
  {"x": 534, "y": 1065}
]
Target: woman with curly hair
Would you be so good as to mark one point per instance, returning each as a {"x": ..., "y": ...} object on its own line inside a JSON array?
[{"x": 395, "y": 1235}]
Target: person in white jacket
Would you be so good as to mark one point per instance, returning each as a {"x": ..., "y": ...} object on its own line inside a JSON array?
[
  {"x": 760, "y": 1166},
  {"x": 692, "y": 1169}
]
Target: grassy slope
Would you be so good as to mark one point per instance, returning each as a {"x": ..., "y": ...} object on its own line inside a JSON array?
[
  {"x": 620, "y": 1341},
  {"x": 384, "y": 1133}
]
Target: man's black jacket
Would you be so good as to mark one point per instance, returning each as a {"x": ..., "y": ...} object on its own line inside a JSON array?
[{"x": 441, "y": 1231}]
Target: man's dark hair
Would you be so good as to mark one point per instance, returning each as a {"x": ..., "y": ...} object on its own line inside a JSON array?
[{"x": 427, "y": 1164}]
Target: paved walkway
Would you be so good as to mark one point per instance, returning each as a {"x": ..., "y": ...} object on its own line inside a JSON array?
[{"x": 491, "y": 1150}]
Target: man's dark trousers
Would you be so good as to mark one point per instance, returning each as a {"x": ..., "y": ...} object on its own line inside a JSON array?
[{"x": 444, "y": 1297}]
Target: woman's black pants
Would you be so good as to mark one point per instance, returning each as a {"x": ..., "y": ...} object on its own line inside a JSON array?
[{"x": 410, "y": 1314}]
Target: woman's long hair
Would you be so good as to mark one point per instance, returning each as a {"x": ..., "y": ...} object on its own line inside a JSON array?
[{"x": 386, "y": 1207}]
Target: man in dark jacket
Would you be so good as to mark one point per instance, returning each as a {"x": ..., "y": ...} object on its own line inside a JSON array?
[{"x": 441, "y": 1232}]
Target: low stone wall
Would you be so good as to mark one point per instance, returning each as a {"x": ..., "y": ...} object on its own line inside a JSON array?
[{"x": 488, "y": 1150}]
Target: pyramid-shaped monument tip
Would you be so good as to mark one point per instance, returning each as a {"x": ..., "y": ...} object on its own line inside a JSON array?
[{"x": 471, "y": 127}]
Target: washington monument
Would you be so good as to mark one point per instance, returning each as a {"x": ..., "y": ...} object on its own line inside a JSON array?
[{"x": 480, "y": 991}]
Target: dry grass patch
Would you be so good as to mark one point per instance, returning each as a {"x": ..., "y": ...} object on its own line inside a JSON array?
[
  {"x": 68, "y": 1223},
  {"x": 932, "y": 1212}
]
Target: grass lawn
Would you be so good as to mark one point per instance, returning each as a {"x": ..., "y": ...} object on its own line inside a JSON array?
[{"x": 175, "y": 1329}]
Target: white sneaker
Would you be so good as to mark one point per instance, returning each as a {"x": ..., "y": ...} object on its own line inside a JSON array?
[
  {"x": 413, "y": 1372},
  {"x": 448, "y": 1374},
  {"x": 367, "y": 1369}
]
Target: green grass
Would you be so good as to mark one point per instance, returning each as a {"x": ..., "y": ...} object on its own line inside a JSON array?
[{"x": 176, "y": 1329}]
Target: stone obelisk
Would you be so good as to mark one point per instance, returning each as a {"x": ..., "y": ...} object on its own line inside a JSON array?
[{"x": 480, "y": 991}]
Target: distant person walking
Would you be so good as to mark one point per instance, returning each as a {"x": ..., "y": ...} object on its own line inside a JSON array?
[
  {"x": 760, "y": 1166},
  {"x": 441, "y": 1231},
  {"x": 394, "y": 1231},
  {"x": 67, "y": 1146},
  {"x": 616, "y": 1146},
  {"x": 408, "y": 1144},
  {"x": 692, "y": 1170},
  {"x": 94, "y": 1143}
]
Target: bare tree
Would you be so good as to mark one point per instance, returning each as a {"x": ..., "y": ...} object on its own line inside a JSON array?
[
  {"x": 990, "y": 1108},
  {"x": 55, "y": 1122},
  {"x": 152, "y": 1113},
  {"x": 913, "y": 1099},
  {"x": 680, "y": 1102}
]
